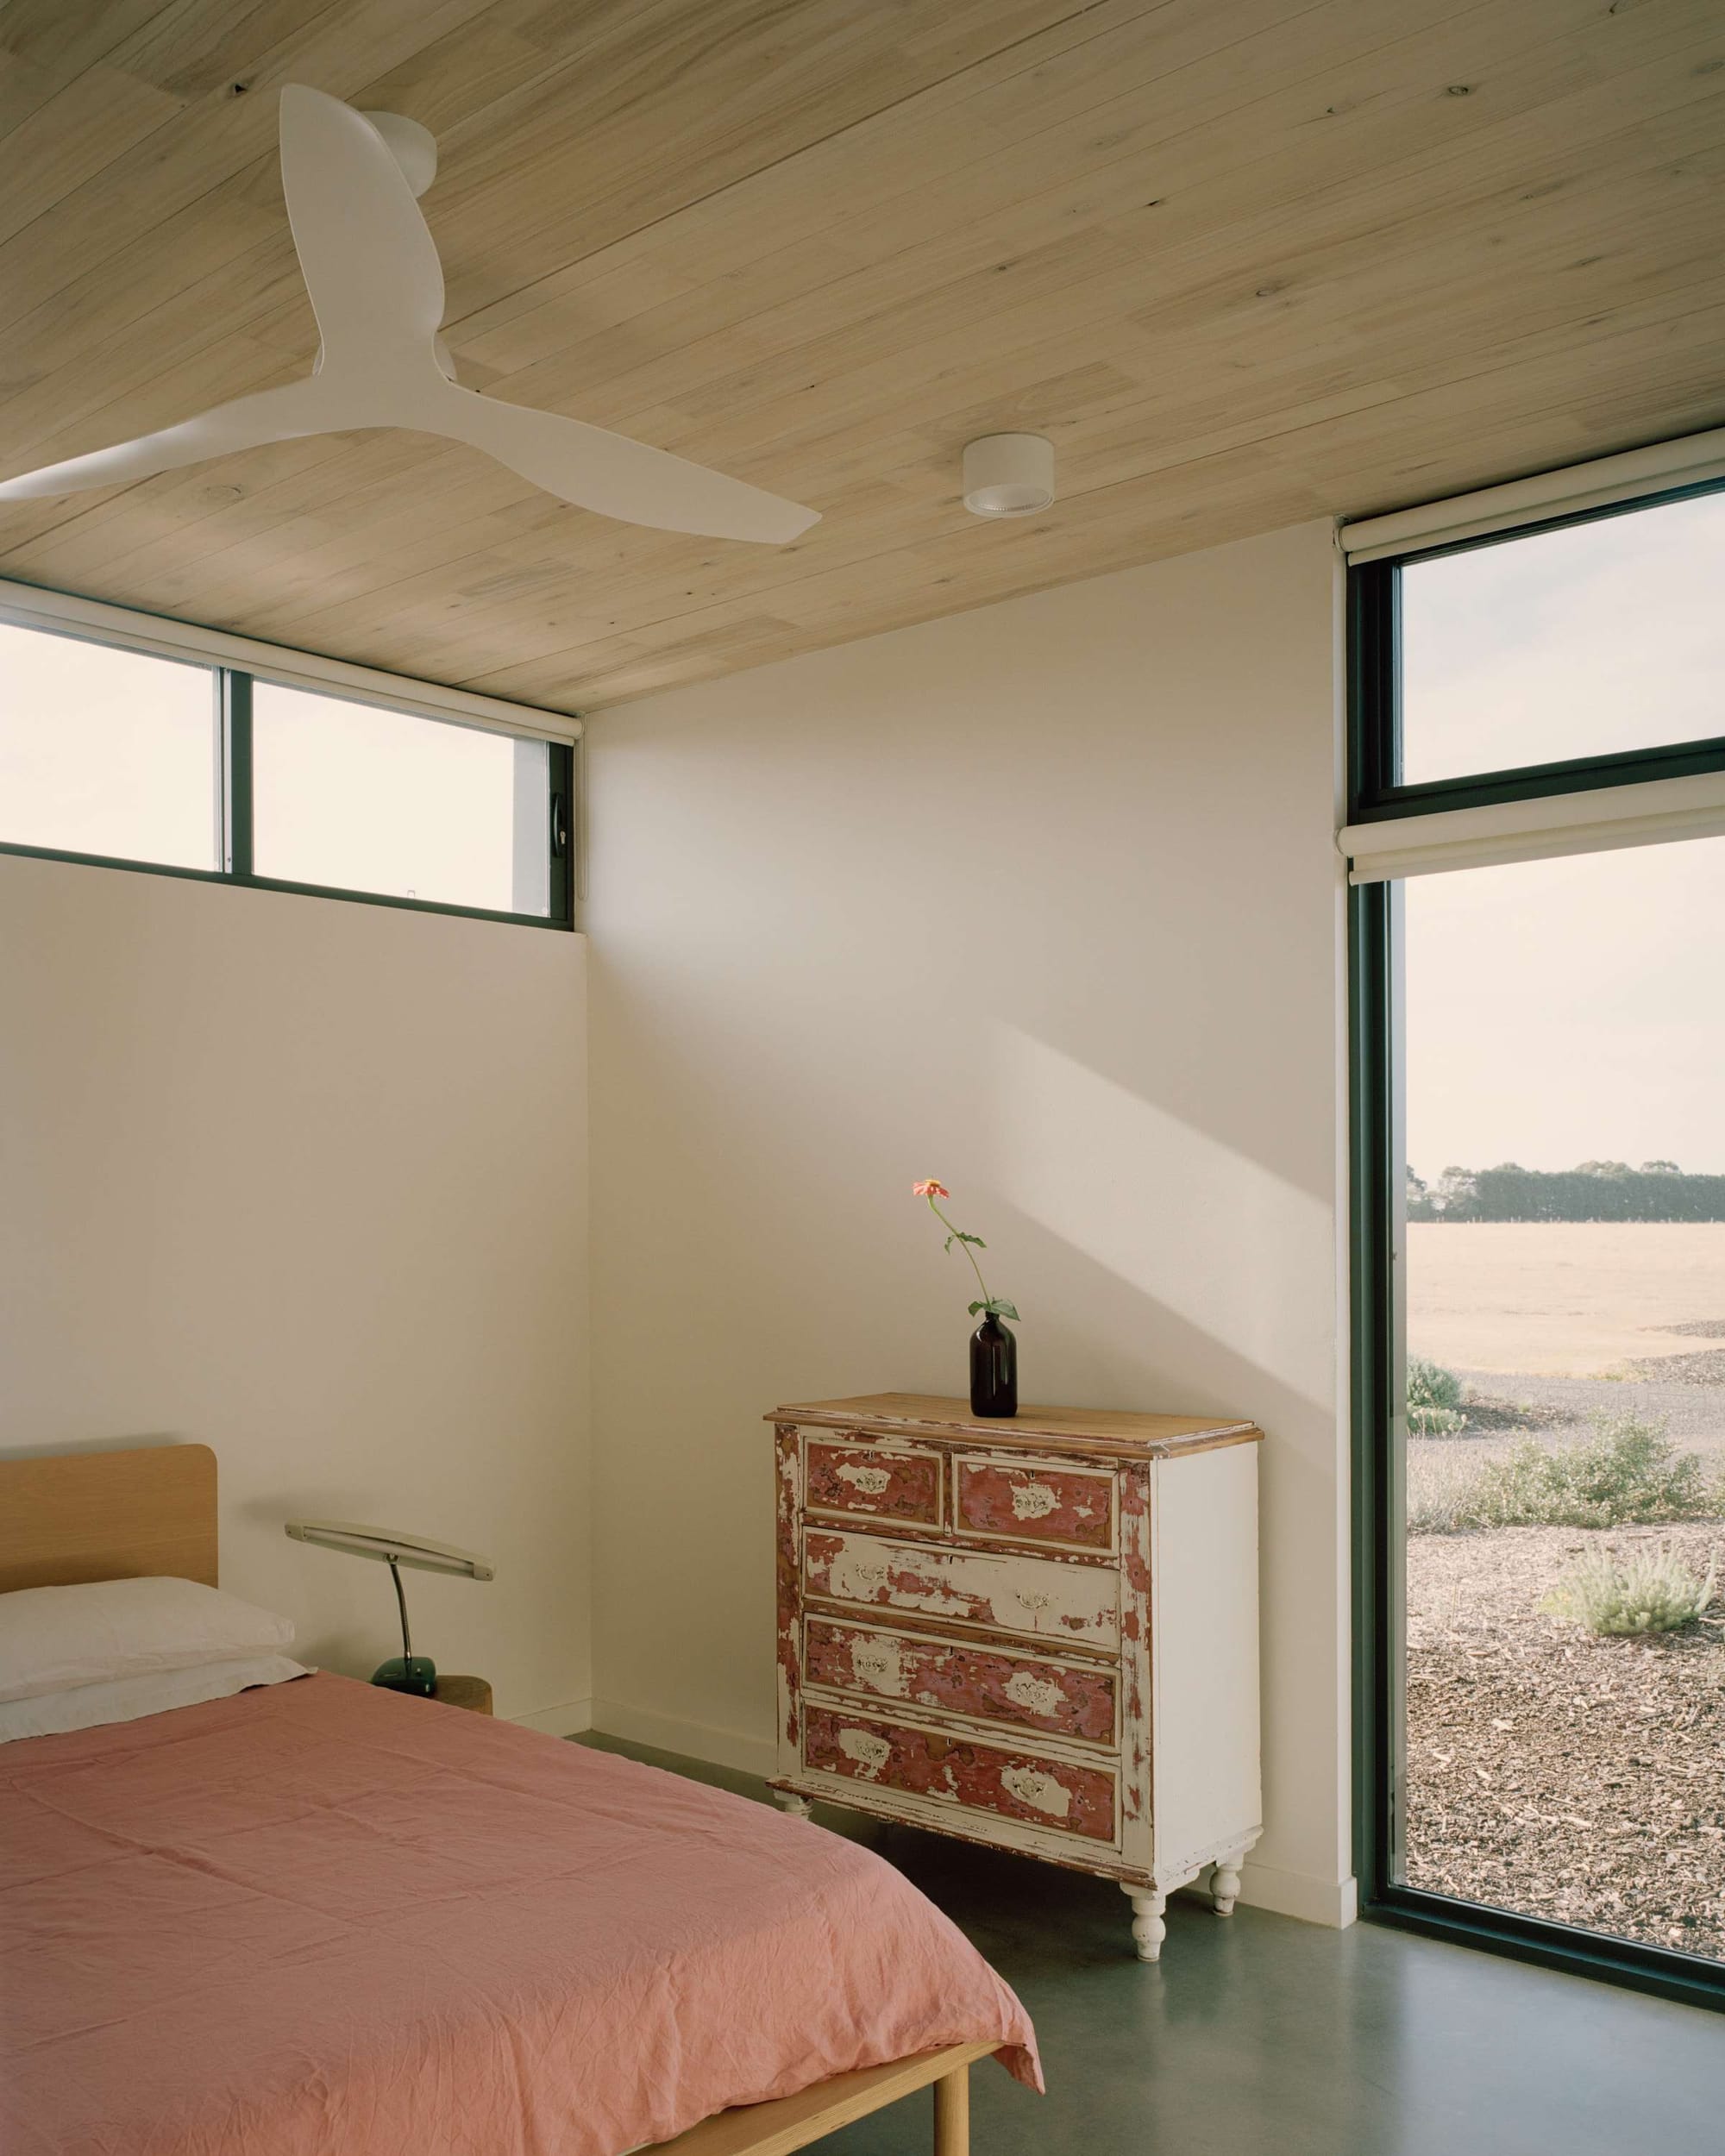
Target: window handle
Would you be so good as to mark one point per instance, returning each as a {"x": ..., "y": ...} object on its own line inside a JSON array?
[{"x": 560, "y": 826}]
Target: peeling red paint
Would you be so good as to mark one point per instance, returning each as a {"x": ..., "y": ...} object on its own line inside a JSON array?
[
  {"x": 1040, "y": 1504},
  {"x": 1136, "y": 1762},
  {"x": 870, "y": 1479},
  {"x": 1015, "y": 1592},
  {"x": 1041, "y": 1792},
  {"x": 789, "y": 1596},
  {"x": 966, "y": 1680}
]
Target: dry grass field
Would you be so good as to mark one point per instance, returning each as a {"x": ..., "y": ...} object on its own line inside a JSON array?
[{"x": 1562, "y": 1299}]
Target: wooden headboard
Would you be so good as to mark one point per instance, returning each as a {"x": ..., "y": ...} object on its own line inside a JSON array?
[{"x": 82, "y": 1516}]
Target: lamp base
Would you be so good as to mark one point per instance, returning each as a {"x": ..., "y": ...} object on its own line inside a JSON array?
[{"x": 417, "y": 1675}]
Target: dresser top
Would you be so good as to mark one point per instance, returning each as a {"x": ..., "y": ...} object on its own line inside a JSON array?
[{"x": 1096, "y": 1430}]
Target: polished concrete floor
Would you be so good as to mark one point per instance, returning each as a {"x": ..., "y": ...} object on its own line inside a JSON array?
[{"x": 1255, "y": 2034}]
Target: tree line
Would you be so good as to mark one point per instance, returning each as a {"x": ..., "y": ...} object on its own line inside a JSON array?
[{"x": 1597, "y": 1190}]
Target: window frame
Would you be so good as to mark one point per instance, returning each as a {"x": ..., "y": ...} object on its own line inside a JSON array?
[
  {"x": 232, "y": 808},
  {"x": 1376, "y": 1223},
  {"x": 1375, "y": 793}
]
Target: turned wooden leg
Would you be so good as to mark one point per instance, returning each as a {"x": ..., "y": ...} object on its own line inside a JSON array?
[
  {"x": 789, "y": 1802},
  {"x": 952, "y": 2113},
  {"x": 1225, "y": 1886},
  {"x": 1148, "y": 1928}
]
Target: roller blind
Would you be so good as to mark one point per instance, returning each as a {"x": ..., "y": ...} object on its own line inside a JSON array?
[
  {"x": 1651, "y": 814},
  {"x": 1690, "y": 462},
  {"x": 32, "y": 608}
]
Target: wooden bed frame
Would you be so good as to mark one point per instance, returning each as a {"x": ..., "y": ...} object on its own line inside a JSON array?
[{"x": 78, "y": 1516}]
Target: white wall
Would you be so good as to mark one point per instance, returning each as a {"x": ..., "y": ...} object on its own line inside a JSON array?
[
  {"x": 1040, "y": 900},
  {"x": 304, "y": 1180}
]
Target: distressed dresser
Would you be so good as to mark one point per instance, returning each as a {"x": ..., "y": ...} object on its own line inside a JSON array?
[{"x": 1040, "y": 1634}]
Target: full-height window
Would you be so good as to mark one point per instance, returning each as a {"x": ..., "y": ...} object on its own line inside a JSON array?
[
  {"x": 1540, "y": 1316},
  {"x": 115, "y": 755}
]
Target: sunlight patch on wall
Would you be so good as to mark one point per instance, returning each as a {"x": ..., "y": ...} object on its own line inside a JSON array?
[{"x": 1202, "y": 1230}]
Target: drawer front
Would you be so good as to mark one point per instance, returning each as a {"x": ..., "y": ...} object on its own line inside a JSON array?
[
  {"x": 979, "y": 1777},
  {"x": 883, "y": 1482},
  {"x": 1037, "y": 1502},
  {"x": 1040, "y": 1596},
  {"x": 985, "y": 1683}
]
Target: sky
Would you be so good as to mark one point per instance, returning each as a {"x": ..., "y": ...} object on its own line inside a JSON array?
[
  {"x": 107, "y": 751},
  {"x": 1570, "y": 1010}
]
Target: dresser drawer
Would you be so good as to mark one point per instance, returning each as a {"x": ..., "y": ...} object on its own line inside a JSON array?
[
  {"x": 979, "y": 1777},
  {"x": 964, "y": 1677},
  {"x": 1043, "y": 1597},
  {"x": 884, "y": 1482},
  {"x": 1015, "y": 1500}
]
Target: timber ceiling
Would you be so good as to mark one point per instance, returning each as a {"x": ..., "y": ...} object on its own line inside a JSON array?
[{"x": 1246, "y": 261}]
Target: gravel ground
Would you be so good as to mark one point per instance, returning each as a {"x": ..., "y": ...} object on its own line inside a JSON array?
[
  {"x": 1550, "y": 1772},
  {"x": 1693, "y": 1409}
]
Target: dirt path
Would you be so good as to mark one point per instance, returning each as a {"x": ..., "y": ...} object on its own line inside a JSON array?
[{"x": 1549, "y": 1771}]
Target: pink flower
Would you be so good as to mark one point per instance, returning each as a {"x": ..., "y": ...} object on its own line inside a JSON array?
[{"x": 929, "y": 1190}]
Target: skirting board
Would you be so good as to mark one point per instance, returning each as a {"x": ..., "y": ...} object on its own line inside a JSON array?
[
  {"x": 1314, "y": 1901},
  {"x": 695, "y": 1740},
  {"x": 557, "y": 1721}
]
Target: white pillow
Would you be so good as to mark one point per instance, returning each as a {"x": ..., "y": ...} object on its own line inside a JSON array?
[
  {"x": 129, "y": 1698},
  {"x": 52, "y": 1638}
]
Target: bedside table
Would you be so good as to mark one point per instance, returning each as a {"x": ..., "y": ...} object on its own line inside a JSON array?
[{"x": 472, "y": 1692}]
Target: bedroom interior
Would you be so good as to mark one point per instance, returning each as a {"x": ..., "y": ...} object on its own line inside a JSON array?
[{"x": 626, "y": 632}]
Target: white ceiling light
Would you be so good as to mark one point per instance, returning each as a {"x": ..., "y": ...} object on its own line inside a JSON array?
[
  {"x": 377, "y": 289},
  {"x": 1009, "y": 474}
]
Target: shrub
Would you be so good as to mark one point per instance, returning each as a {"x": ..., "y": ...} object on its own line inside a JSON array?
[
  {"x": 1435, "y": 1398},
  {"x": 1441, "y": 1481},
  {"x": 1651, "y": 1591},
  {"x": 1628, "y": 1474}
]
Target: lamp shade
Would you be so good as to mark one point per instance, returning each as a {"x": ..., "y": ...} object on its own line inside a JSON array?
[{"x": 389, "y": 1548}]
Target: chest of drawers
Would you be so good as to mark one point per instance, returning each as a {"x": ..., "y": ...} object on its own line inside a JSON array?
[{"x": 1040, "y": 1634}]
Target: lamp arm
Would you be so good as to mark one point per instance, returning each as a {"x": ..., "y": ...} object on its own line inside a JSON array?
[{"x": 401, "y": 1603}]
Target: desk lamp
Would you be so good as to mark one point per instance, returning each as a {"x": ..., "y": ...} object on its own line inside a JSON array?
[{"x": 407, "y": 1671}]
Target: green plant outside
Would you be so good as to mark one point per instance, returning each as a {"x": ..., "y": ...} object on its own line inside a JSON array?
[
  {"x": 1434, "y": 1400},
  {"x": 1620, "y": 1598},
  {"x": 1628, "y": 1473}
]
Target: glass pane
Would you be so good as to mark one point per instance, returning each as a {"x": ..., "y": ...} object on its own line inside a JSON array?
[
  {"x": 1584, "y": 641},
  {"x": 1564, "y": 1055},
  {"x": 104, "y": 751},
  {"x": 366, "y": 800}
]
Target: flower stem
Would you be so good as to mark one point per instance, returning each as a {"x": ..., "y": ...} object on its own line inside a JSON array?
[{"x": 962, "y": 1245}]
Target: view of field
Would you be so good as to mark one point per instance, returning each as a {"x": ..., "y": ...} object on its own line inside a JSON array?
[{"x": 1553, "y": 1767}]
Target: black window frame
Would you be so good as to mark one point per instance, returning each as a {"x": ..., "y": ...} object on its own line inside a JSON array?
[
  {"x": 1375, "y": 791},
  {"x": 1374, "y": 989},
  {"x": 233, "y": 808}
]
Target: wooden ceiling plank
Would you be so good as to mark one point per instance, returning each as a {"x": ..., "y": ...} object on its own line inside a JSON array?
[
  {"x": 73, "y": 137},
  {"x": 1021, "y": 175},
  {"x": 739, "y": 398},
  {"x": 736, "y": 426},
  {"x": 218, "y": 137},
  {"x": 1087, "y": 517},
  {"x": 47, "y": 46},
  {"x": 1354, "y": 286}
]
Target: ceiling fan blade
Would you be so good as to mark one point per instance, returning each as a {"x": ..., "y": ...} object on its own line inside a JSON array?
[
  {"x": 369, "y": 263},
  {"x": 599, "y": 470},
  {"x": 312, "y": 406}
]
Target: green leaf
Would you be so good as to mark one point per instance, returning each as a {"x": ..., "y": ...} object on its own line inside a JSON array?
[
  {"x": 998, "y": 1308},
  {"x": 976, "y": 1240}
]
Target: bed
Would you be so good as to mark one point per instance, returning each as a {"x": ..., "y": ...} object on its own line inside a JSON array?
[{"x": 318, "y": 1918}]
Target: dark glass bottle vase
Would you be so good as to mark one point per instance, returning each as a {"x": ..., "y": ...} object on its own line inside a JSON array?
[{"x": 993, "y": 1370}]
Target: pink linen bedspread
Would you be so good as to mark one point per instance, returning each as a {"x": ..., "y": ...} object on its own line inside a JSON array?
[{"x": 320, "y": 1919}]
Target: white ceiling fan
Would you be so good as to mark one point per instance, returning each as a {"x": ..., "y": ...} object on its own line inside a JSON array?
[{"x": 377, "y": 289}]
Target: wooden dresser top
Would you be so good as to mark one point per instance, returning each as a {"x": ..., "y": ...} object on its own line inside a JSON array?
[{"x": 1095, "y": 1430}]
